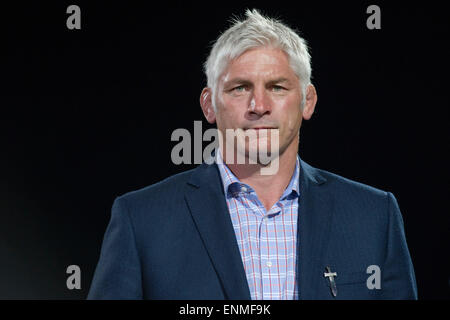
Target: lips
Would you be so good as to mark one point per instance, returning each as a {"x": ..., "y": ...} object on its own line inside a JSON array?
[{"x": 259, "y": 128}]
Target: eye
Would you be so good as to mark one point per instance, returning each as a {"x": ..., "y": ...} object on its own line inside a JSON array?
[
  {"x": 239, "y": 88},
  {"x": 277, "y": 88}
]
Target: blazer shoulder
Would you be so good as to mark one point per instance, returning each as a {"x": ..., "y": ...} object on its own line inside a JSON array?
[
  {"x": 344, "y": 184},
  {"x": 356, "y": 198},
  {"x": 170, "y": 187}
]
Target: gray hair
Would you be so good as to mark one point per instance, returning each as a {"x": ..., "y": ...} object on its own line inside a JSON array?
[{"x": 257, "y": 31}]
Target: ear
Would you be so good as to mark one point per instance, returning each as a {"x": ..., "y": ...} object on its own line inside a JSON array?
[
  {"x": 310, "y": 102},
  {"x": 206, "y": 104}
]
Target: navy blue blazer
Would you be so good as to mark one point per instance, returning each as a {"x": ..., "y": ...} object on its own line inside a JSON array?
[{"x": 175, "y": 240}]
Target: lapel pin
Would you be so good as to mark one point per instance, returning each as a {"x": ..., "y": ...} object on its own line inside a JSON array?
[{"x": 330, "y": 275}]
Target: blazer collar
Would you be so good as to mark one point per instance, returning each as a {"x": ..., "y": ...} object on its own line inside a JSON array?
[
  {"x": 315, "y": 213},
  {"x": 207, "y": 204},
  {"x": 208, "y": 207}
]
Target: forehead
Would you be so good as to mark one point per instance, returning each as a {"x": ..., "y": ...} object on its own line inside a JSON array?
[{"x": 260, "y": 62}]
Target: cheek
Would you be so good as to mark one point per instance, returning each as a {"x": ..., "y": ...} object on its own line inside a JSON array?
[
  {"x": 292, "y": 115},
  {"x": 234, "y": 104},
  {"x": 292, "y": 126},
  {"x": 226, "y": 117},
  {"x": 231, "y": 112}
]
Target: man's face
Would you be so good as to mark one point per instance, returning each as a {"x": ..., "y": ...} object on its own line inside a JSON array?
[{"x": 258, "y": 90}]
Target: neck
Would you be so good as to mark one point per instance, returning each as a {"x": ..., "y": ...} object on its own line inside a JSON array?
[{"x": 269, "y": 188}]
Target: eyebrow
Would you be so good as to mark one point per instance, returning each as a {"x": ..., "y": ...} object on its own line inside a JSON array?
[
  {"x": 279, "y": 80},
  {"x": 245, "y": 81},
  {"x": 237, "y": 81}
]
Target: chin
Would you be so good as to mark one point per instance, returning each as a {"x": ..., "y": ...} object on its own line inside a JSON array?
[{"x": 262, "y": 156}]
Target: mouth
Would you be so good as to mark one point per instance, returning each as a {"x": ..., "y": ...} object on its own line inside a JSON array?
[{"x": 259, "y": 128}]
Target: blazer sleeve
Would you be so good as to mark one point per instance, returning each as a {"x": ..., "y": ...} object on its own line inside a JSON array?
[
  {"x": 118, "y": 272},
  {"x": 398, "y": 278}
]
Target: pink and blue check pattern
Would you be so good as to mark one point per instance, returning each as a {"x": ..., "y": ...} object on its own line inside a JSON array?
[{"x": 266, "y": 239}]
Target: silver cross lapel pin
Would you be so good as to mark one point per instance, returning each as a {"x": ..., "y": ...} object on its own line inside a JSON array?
[{"x": 330, "y": 275}]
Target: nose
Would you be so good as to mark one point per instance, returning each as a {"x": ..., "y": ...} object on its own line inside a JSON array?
[{"x": 259, "y": 103}]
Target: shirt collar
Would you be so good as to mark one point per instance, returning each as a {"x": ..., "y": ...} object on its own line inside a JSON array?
[{"x": 233, "y": 186}]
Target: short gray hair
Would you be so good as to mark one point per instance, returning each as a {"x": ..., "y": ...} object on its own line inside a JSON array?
[{"x": 257, "y": 31}]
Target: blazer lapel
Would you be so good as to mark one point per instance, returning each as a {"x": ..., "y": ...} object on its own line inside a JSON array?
[
  {"x": 207, "y": 204},
  {"x": 313, "y": 227}
]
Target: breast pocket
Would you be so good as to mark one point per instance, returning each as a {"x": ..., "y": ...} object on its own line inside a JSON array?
[
  {"x": 350, "y": 286},
  {"x": 351, "y": 278}
]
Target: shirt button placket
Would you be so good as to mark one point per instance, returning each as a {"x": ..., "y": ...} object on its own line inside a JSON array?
[{"x": 265, "y": 263}]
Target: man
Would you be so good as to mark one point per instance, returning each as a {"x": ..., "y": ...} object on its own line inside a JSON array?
[{"x": 227, "y": 230}]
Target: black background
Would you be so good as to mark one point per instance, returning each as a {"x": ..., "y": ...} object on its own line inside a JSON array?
[{"x": 87, "y": 115}]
